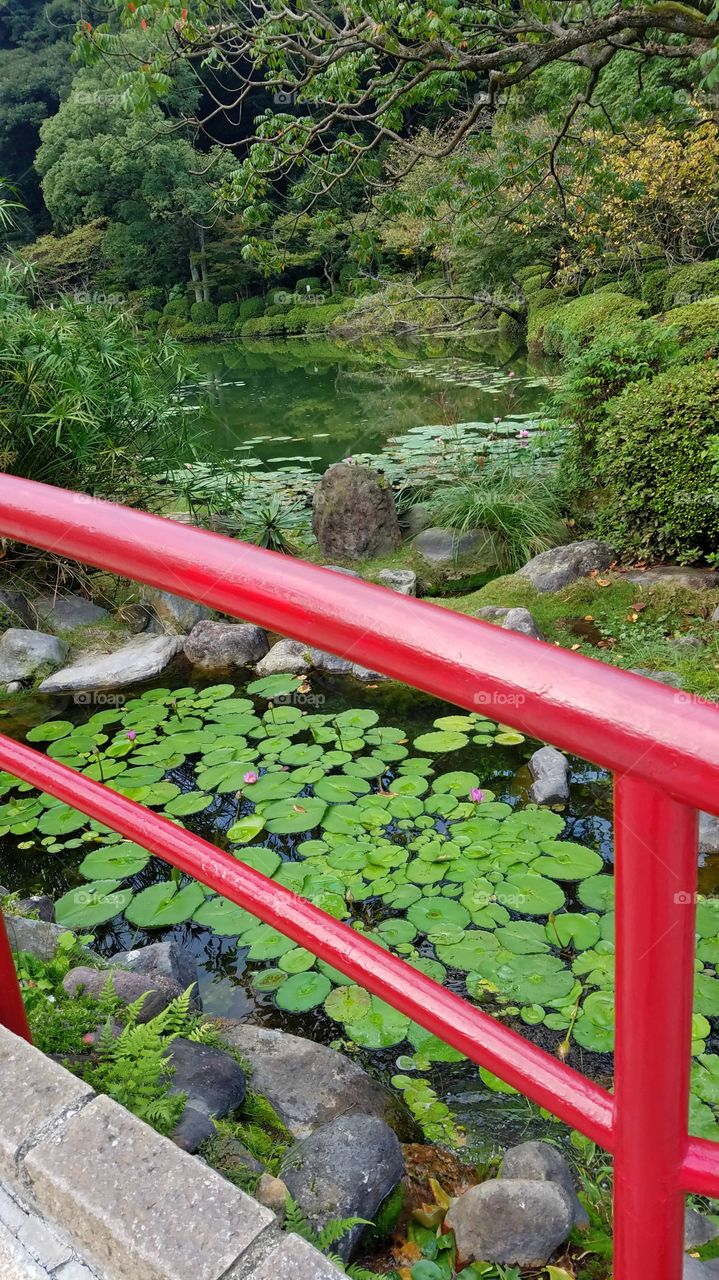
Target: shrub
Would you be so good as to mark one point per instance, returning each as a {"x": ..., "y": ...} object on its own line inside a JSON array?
[
  {"x": 177, "y": 307},
  {"x": 151, "y": 319},
  {"x": 538, "y": 317},
  {"x": 576, "y": 323},
  {"x": 227, "y": 313},
  {"x": 652, "y": 287},
  {"x": 250, "y": 307},
  {"x": 593, "y": 378},
  {"x": 260, "y": 326},
  {"x": 320, "y": 319},
  {"x": 691, "y": 283},
  {"x": 656, "y": 458},
  {"x": 697, "y": 320},
  {"x": 296, "y": 319},
  {"x": 309, "y": 284},
  {"x": 203, "y": 313}
]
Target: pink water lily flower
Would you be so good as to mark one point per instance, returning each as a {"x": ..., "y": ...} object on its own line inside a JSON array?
[
  {"x": 250, "y": 777},
  {"x": 476, "y": 795},
  {"x": 131, "y": 734},
  {"x": 497, "y": 420}
]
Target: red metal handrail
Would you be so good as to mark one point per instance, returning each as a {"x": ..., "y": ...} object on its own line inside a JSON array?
[{"x": 662, "y": 746}]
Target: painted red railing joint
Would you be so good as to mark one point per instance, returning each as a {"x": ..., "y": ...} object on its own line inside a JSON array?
[{"x": 663, "y": 748}]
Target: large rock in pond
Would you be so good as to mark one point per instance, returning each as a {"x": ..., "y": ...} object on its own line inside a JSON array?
[
  {"x": 22, "y": 653},
  {"x": 176, "y": 614},
  {"x": 309, "y": 1084},
  {"x": 216, "y": 648},
  {"x": 559, "y": 566},
  {"x": 166, "y": 959},
  {"x": 550, "y": 771},
  {"x": 287, "y": 656},
  {"x": 344, "y": 1170},
  {"x": 541, "y": 1162},
  {"x": 39, "y": 937},
  {"x": 128, "y": 987},
  {"x": 513, "y": 1222},
  {"x": 142, "y": 658},
  {"x": 354, "y": 513},
  {"x": 64, "y": 613}
]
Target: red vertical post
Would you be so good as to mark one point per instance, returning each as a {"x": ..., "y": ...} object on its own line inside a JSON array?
[
  {"x": 12, "y": 1009},
  {"x": 655, "y": 872}
]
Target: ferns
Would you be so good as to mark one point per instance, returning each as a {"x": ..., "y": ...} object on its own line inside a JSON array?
[{"x": 323, "y": 1240}]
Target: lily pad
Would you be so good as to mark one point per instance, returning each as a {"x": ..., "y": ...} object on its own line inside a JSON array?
[
  {"x": 303, "y": 991},
  {"x": 91, "y": 905},
  {"x": 162, "y": 905}
]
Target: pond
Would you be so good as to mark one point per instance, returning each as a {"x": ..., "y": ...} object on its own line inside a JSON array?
[
  {"x": 387, "y": 809},
  {"x": 317, "y": 402}
]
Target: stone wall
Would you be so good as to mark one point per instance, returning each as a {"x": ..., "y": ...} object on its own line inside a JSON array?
[{"x": 89, "y": 1192}]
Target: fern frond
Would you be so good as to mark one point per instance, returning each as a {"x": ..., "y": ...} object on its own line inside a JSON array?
[{"x": 338, "y": 1228}]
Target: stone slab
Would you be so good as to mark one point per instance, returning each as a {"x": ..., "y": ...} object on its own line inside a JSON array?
[
  {"x": 136, "y": 1203},
  {"x": 41, "y": 1091},
  {"x": 142, "y": 658},
  {"x": 295, "y": 1259}
]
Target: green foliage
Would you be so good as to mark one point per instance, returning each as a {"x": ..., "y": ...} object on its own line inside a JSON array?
[
  {"x": 691, "y": 283},
  {"x": 85, "y": 403},
  {"x": 577, "y": 323},
  {"x": 323, "y": 1240},
  {"x": 262, "y": 326},
  {"x": 517, "y": 505},
  {"x": 655, "y": 451},
  {"x": 696, "y": 320},
  {"x": 151, "y": 319},
  {"x": 177, "y": 307},
  {"x": 227, "y": 314},
  {"x": 652, "y": 288},
  {"x": 203, "y": 313},
  {"x": 251, "y": 307}
]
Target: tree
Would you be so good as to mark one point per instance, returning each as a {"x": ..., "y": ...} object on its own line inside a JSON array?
[
  {"x": 351, "y": 76},
  {"x": 138, "y": 172}
]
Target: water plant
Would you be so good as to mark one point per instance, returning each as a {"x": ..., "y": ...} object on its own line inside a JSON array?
[{"x": 391, "y": 835}]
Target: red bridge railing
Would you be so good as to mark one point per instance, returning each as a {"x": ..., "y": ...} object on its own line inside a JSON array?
[{"x": 662, "y": 746}]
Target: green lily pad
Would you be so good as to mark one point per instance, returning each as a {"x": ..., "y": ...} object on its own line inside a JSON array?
[
  {"x": 91, "y": 905},
  {"x": 61, "y": 820},
  {"x": 573, "y": 929},
  {"x": 271, "y": 687},
  {"x": 348, "y": 1003},
  {"x": 114, "y": 861},
  {"x": 530, "y": 895},
  {"x": 303, "y": 991},
  {"x": 245, "y": 829},
  {"x": 189, "y": 802},
  {"x": 50, "y": 731},
  {"x": 597, "y": 893},
  {"x": 440, "y": 742},
  {"x": 288, "y": 816},
  {"x": 162, "y": 905},
  {"x": 564, "y": 860},
  {"x": 381, "y": 1028},
  {"x": 224, "y": 917}
]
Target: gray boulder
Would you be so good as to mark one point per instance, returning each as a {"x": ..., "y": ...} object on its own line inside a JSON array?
[
  {"x": 698, "y": 1229},
  {"x": 214, "y": 1081},
  {"x": 354, "y": 513},
  {"x": 403, "y": 581},
  {"x": 166, "y": 959},
  {"x": 40, "y": 905},
  {"x": 338, "y": 568},
  {"x": 309, "y": 1084},
  {"x": 513, "y": 1222},
  {"x": 142, "y": 658},
  {"x": 22, "y": 653},
  {"x": 492, "y": 612},
  {"x": 215, "y": 648},
  {"x": 128, "y": 987},
  {"x": 63, "y": 613},
  {"x": 15, "y": 610},
  {"x": 192, "y": 1129},
  {"x": 541, "y": 1162},
  {"x": 715, "y": 615},
  {"x": 37, "y": 936},
  {"x": 551, "y": 570},
  {"x": 176, "y": 614},
  {"x": 708, "y": 833},
  {"x": 696, "y": 1270},
  {"x": 416, "y": 519},
  {"x": 286, "y": 656},
  {"x": 445, "y": 546},
  {"x": 344, "y": 1170},
  {"x": 674, "y": 575},
  {"x": 329, "y": 662},
  {"x": 550, "y": 771},
  {"x": 522, "y": 621}
]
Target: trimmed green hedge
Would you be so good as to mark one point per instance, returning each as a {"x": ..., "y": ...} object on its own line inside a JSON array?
[
  {"x": 691, "y": 284},
  {"x": 203, "y": 313},
  {"x": 151, "y": 319},
  {"x": 251, "y": 307},
  {"x": 578, "y": 322},
  {"x": 227, "y": 314},
  {"x": 652, "y": 288},
  {"x": 698, "y": 320},
  {"x": 260, "y": 326},
  {"x": 661, "y": 492},
  {"x": 177, "y": 307}
]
